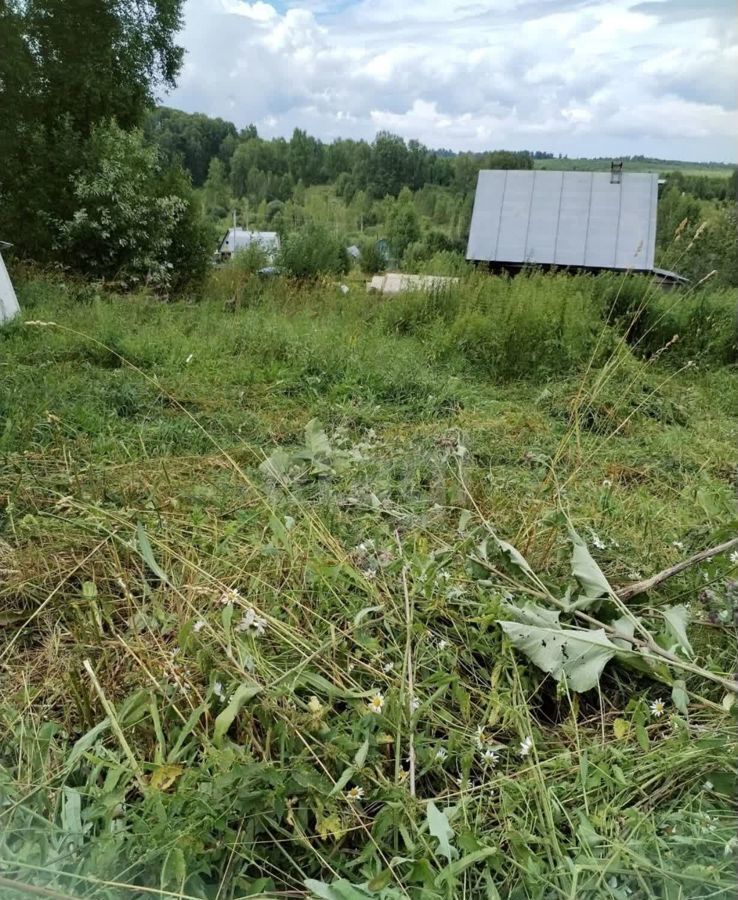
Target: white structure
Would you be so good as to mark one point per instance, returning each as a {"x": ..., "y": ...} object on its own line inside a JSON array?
[
  {"x": 8, "y": 301},
  {"x": 590, "y": 220},
  {"x": 398, "y": 282},
  {"x": 236, "y": 239}
]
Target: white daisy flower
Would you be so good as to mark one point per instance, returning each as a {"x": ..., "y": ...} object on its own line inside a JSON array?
[
  {"x": 229, "y": 596},
  {"x": 607, "y": 482},
  {"x": 218, "y": 690},
  {"x": 480, "y": 738},
  {"x": 678, "y": 544},
  {"x": 707, "y": 786},
  {"x": 252, "y": 623},
  {"x": 376, "y": 704},
  {"x": 597, "y": 541},
  {"x": 526, "y": 745},
  {"x": 442, "y": 644},
  {"x": 414, "y": 704},
  {"x": 355, "y": 793},
  {"x": 388, "y": 667},
  {"x": 734, "y": 557},
  {"x": 657, "y": 708},
  {"x": 441, "y": 753},
  {"x": 731, "y": 846},
  {"x": 490, "y": 756},
  {"x": 198, "y": 626}
]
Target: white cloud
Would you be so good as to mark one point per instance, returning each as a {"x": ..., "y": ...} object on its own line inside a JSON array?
[{"x": 575, "y": 76}]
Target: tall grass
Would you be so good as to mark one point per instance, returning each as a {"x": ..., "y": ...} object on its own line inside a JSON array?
[{"x": 192, "y": 757}]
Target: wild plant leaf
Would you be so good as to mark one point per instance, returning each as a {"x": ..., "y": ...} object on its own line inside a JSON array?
[
  {"x": 164, "y": 777},
  {"x": 147, "y": 554},
  {"x": 680, "y": 697},
  {"x": 87, "y": 741},
  {"x": 312, "y": 679},
  {"x": 344, "y": 890},
  {"x": 450, "y": 872},
  {"x": 361, "y": 754},
  {"x": 276, "y": 467},
  {"x": 515, "y": 556},
  {"x": 533, "y": 614},
  {"x": 676, "y": 622},
  {"x": 441, "y": 830},
  {"x": 576, "y": 654},
  {"x": 588, "y": 575},
  {"x": 626, "y": 627},
  {"x": 71, "y": 815},
  {"x": 317, "y": 444},
  {"x": 174, "y": 870},
  {"x": 343, "y": 780},
  {"x": 224, "y": 720}
]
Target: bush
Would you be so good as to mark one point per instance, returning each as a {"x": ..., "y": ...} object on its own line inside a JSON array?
[
  {"x": 133, "y": 223},
  {"x": 372, "y": 259},
  {"x": 313, "y": 251}
]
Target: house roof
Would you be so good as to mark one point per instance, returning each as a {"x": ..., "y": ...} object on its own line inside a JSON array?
[
  {"x": 269, "y": 240},
  {"x": 585, "y": 219}
]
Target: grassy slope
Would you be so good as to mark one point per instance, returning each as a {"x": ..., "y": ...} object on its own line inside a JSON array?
[{"x": 610, "y": 799}]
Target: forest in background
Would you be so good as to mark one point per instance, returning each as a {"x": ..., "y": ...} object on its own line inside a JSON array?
[{"x": 99, "y": 181}]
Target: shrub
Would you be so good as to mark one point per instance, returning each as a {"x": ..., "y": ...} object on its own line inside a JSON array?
[
  {"x": 313, "y": 251},
  {"x": 372, "y": 259},
  {"x": 133, "y": 223}
]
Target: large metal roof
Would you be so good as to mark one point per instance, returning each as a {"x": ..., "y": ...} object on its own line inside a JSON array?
[{"x": 583, "y": 219}]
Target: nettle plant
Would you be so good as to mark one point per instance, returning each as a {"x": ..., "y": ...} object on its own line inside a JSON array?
[{"x": 574, "y": 634}]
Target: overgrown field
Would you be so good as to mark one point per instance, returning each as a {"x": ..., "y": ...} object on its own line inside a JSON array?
[{"x": 253, "y": 561}]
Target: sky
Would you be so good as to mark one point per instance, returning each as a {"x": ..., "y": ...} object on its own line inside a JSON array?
[{"x": 579, "y": 77}]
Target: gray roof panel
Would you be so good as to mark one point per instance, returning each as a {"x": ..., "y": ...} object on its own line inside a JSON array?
[{"x": 564, "y": 218}]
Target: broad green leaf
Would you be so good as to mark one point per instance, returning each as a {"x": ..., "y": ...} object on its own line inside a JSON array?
[
  {"x": 642, "y": 737},
  {"x": 626, "y": 627},
  {"x": 147, "y": 554},
  {"x": 174, "y": 870},
  {"x": 86, "y": 741},
  {"x": 312, "y": 679},
  {"x": 455, "y": 869},
  {"x": 343, "y": 780},
  {"x": 71, "y": 816},
  {"x": 379, "y": 882},
  {"x": 439, "y": 827},
  {"x": 361, "y": 754},
  {"x": 165, "y": 776},
  {"x": 316, "y": 440},
  {"x": 680, "y": 697},
  {"x": 533, "y": 614},
  {"x": 587, "y": 573},
  {"x": 676, "y": 621},
  {"x": 224, "y": 720},
  {"x": 515, "y": 556},
  {"x": 276, "y": 466},
  {"x": 577, "y": 654}
]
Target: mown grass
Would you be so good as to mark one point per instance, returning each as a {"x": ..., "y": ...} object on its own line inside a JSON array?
[{"x": 134, "y": 500}]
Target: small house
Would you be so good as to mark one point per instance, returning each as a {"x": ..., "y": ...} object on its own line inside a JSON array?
[
  {"x": 592, "y": 221},
  {"x": 236, "y": 239},
  {"x": 8, "y": 301}
]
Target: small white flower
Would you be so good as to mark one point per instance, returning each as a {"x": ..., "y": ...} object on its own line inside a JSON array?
[
  {"x": 731, "y": 846},
  {"x": 597, "y": 541},
  {"x": 734, "y": 557},
  {"x": 218, "y": 690},
  {"x": 607, "y": 482},
  {"x": 678, "y": 544},
  {"x": 480, "y": 738},
  {"x": 176, "y": 651},
  {"x": 490, "y": 756},
  {"x": 229, "y": 596},
  {"x": 252, "y": 623},
  {"x": 635, "y": 576},
  {"x": 376, "y": 704},
  {"x": 356, "y": 793},
  {"x": 441, "y": 753},
  {"x": 442, "y": 644},
  {"x": 707, "y": 786},
  {"x": 526, "y": 745},
  {"x": 314, "y": 705},
  {"x": 198, "y": 626},
  {"x": 414, "y": 704},
  {"x": 657, "y": 708},
  {"x": 388, "y": 667}
]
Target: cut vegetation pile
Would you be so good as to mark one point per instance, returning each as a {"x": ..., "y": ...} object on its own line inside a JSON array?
[{"x": 254, "y": 561}]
